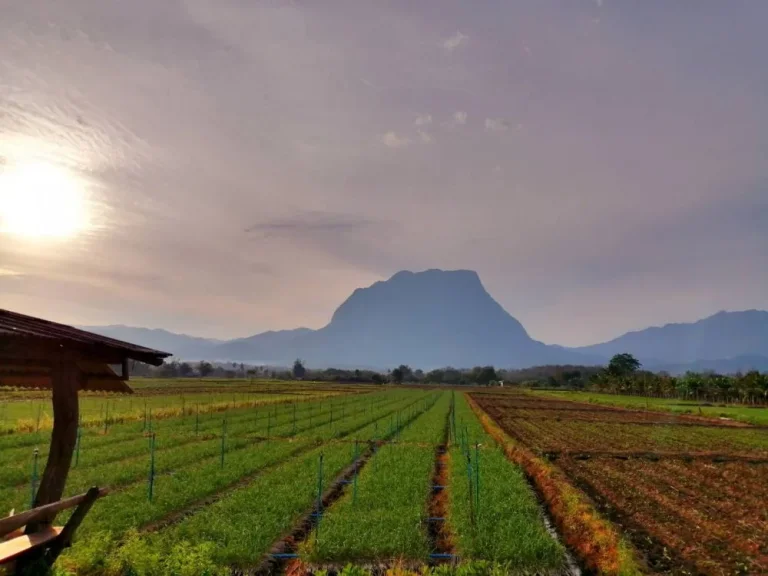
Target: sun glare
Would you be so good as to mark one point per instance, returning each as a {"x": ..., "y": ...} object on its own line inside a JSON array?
[{"x": 40, "y": 200}]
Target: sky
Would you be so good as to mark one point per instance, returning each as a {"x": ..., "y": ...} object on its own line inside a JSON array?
[{"x": 224, "y": 167}]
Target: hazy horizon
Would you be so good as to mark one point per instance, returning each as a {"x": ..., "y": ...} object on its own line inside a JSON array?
[
  {"x": 226, "y": 168},
  {"x": 300, "y": 327}
]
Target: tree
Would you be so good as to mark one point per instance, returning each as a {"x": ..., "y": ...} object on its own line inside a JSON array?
[
  {"x": 298, "y": 369},
  {"x": 185, "y": 369},
  {"x": 402, "y": 373},
  {"x": 204, "y": 368},
  {"x": 452, "y": 376},
  {"x": 436, "y": 376},
  {"x": 572, "y": 377},
  {"x": 623, "y": 365},
  {"x": 483, "y": 375},
  {"x": 169, "y": 369}
]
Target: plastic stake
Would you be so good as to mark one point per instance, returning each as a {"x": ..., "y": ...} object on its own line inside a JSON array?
[
  {"x": 77, "y": 445},
  {"x": 151, "y": 466},
  {"x": 36, "y": 455}
]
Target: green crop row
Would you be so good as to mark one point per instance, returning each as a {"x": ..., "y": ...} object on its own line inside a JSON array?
[
  {"x": 178, "y": 454},
  {"x": 430, "y": 428},
  {"x": 98, "y": 413},
  {"x": 172, "y": 492},
  {"x": 493, "y": 512},
  {"x": 126, "y": 440},
  {"x": 243, "y": 523},
  {"x": 383, "y": 514},
  {"x": 173, "y": 418},
  {"x": 116, "y": 465}
]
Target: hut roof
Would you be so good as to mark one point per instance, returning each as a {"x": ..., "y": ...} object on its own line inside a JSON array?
[{"x": 15, "y": 327}]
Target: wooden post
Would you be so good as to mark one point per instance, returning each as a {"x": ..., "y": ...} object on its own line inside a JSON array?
[{"x": 65, "y": 378}]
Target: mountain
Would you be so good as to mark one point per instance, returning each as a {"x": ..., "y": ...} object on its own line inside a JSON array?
[
  {"x": 447, "y": 318},
  {"x": 723, "y": 366},
  {"x": 189, "y": 346},
  {"x": 426, "y": 319},
  {"x": 265, "y": 348},
  {"x": 724, "y": 335}
]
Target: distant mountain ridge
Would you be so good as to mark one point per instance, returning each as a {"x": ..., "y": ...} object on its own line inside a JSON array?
[
  {"x": 159, "y": 339},
  {"x": 723, "y": 366},
  {"x": 721, "y": 336},
  {"x": 439, "y": 318}
]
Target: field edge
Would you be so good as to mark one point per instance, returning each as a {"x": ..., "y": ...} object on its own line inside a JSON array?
[{"x": 595, "y": 541}]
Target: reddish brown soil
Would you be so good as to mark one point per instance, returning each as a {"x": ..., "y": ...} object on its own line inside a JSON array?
[
  {"x": 613, "y": 429},
  {"x": 702, "y": 513},
  {"x": 517, "y": 403},
  {"x": 595, "y": 542},
  {"x": 440, "y": 534},
  {"x": 712, "y": 515}
]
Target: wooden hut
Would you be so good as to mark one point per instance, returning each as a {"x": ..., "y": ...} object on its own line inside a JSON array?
[{"x": 36, "y": 353}]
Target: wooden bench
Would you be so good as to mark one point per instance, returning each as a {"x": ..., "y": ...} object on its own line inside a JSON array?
[{"x": 40, "y": 541}]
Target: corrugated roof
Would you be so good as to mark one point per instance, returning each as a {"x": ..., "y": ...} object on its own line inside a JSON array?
[{"x": 23, "y": 326}]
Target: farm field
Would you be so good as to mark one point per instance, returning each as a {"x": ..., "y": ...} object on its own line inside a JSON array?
[
  {"x": 416, "y": 502},
  {"x": 31, "y": 411},
  {"x": 497, "y": 515},
  {"x": 688, "y": 492},
  {"x": 324, "y": 475},
  {"x": 757, "y": 415}
]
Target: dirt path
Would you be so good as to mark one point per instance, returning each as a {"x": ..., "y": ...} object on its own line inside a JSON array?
[{"x": 438, "y": 529}]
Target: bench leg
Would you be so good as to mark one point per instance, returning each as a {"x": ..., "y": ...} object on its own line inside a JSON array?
[
  {"x": 65, "y": 538},
  {"x": 39, "y": 562}
]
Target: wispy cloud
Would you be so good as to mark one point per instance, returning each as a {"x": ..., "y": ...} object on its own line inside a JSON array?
[
  {"x": 392, "y": 140},
  {"x": 496, "y": 125},
  {"x": 450, "y": 44},
  {"x": 423, "y": 120},
  {"x": 426, "y": 137},
  {"x": 354, "y": 238},
  {"x": 310, "y": 222},
  {"x": 233, "y": 139},
  {"x": 459, "y": 117}
]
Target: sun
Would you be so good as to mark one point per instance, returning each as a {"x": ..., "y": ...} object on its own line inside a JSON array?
[{"x": 41, "y": 200}]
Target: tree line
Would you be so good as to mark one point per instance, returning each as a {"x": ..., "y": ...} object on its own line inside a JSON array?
[
  {"x": 403, "y": 374},
  {"x": 622, "y": 375}
]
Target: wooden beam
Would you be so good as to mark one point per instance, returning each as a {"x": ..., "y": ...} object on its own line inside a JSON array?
[
  {"x": 16, "y": 547},
  {"x": 65, "y": 539},
  {"x": 13, "y": 347},
  {"x": 65, "y": 378},
  {"x": 32, "y": 363},
  {"x": 11, "y": 523}
]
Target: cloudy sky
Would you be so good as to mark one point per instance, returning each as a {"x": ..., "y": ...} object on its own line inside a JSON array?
[{"x": 223, "y": 167}]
